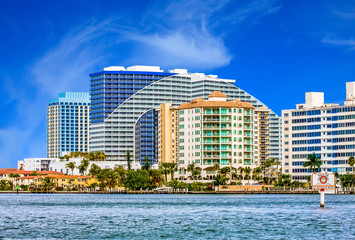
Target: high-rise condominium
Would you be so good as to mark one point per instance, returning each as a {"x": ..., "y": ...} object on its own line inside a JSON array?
[
  {"x": 328, "y": 130},
  {"x": 215, "y": 131},
  {"x": 68, "y": 124},
  {"x": 123, "y": 112}
]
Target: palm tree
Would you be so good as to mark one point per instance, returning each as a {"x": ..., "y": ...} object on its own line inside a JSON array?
[
  {"x": 194, "y": 172},
  {"x": 71, "y": 166},
  {"x": 173, "y": 169},
  {"x": 146, "y": 163},
  {"x": 216, "y": 166},
  {"x": 313, "y": 162},
  {"x": 277, "y": 163},
  {"x": 84, "y": 164},
  {"x": 351, "y": 162},
  {"x": 128, "y": 159},
  {"x": 247, "y": 171},
  {"x": 47, "y": 183},
  {"x": 94, "y": 170},
  {"x": 164, "y": 168},
  {"x": 256, "y": 173},
  {"x": 241, "y": 170},
  {"x": 102, "y": 156},
  {"x": 268, "y": 164}
]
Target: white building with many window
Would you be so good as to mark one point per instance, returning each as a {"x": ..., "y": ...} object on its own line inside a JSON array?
[{"x": 328, "y": 130}]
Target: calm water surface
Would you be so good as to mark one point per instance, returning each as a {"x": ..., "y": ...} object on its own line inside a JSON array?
[{"x": 176, "y": 217}]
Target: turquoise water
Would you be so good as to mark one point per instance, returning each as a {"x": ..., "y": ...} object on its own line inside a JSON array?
[{"x": 108, "y": 216}]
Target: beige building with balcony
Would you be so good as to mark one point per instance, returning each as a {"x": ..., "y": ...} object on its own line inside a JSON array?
[{"x": 215, "y": 131}]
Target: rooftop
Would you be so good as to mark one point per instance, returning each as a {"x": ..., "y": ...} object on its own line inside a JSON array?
[{"x": 200, "y": 103}]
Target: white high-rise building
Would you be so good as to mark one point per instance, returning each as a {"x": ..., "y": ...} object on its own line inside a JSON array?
[
  {"x": 123, "y": 107},
  {"x": 328, "y": 130}
]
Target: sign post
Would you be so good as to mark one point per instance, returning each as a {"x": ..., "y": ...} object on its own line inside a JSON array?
[{"x": 323, "y": 181}]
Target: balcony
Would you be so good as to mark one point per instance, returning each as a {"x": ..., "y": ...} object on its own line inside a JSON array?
[
  {"x": 211, "y": 127},
  {"x": 211, "y": 156},
  {"x": 211, "y": 119}
]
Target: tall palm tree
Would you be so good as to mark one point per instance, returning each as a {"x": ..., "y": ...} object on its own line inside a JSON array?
[
  {"x": 102, "y": 156},
  {"x": 247, "y": 171},
  {"x": 128, "y": 159},
  {"x": 351, "y": 162},
  {"x": 256, "y": 173},
  {"x": 47, "y": 183},
  {"x": 241, "y": 170},
  {"x": 194, "y": 172},
  {"x": 71, "y": 166},
  {"x": 216, "y": 166},
  {"x": 268, "y": 164},
  {"x": 277, "y": 163},
  {"x": 84, "y": 164},
  {"x": 313, "y": 162},
  {"x": 167, "y": 168}
]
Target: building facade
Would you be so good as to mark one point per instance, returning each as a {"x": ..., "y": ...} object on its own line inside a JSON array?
[
  {"x": 68, "y": 124},
  {"x": 34, "y": 164},
  {"x": 215, "y": 131},
  {"x": 124, "y": 102},
  {"x": 328, "y": 130},
  {"x": 167, "y": 133},
  {"x": 261, "y": 135}
]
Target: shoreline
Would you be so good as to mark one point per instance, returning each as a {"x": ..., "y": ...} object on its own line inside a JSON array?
[{"x": 186, "y": 193}]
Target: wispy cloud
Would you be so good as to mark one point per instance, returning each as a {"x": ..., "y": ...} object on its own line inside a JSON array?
[
  {"x": 349, "y": 15},
  {"x": 187, "y": 34},
  {"x": 350, "y": 43}
]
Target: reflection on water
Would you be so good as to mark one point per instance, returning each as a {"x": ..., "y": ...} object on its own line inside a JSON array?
[{"x": 176, "y": 216}]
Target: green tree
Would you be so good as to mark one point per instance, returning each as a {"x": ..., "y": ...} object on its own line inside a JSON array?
[
  {"x": 268, "y": 164},
  {"x": 195, "y": 174},
  {"x": 34, "y": 173},
  {"x": 84, "y": 165},
  {"x": 220, "y": 179},
  {"x": 47, "y": 183},
  {"x": 347, "y": 180},
  {"x": 247, "y": 173},
  {"x": 137, "y": 179},
  {"x": 6, "y": 185},
  {"x": 351, "y": 162},
  {"x": 71, "y": 166},
  {"x": 277, "y": 163},
  {"x": 155, "y": 178},
  {"x": 108, "y": 178},
  {"x": 165, "y": 169},
  {"x": 313, "y": 162},
  {"x": 241, "y": 171},
  {"x": 146, "y": 163},
  {"x": 257, "y": 173},
  {"x": 14, "y": 175},
  {"x": 94, "y": 170},
  {"x": 128, "y": 159}
]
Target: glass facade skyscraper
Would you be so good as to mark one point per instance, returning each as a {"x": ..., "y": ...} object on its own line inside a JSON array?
[
  {"x": 123, "y": 103},
  {"x": 68, "y": 124}
]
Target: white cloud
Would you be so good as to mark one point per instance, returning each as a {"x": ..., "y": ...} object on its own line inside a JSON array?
[
  {"x": 181, "y": 34},
  {"x": 347, "y": 43}
]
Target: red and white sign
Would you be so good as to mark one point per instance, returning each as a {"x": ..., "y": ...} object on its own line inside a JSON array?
[{"x": 323, "y": 181}]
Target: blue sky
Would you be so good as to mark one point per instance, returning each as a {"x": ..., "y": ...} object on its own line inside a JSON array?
[{"x": 276, "y": 50}]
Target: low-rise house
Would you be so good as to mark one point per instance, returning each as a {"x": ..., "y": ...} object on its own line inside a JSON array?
[
  {"x": 64, "y": 181},
  {"x": 11, "y": 174}
]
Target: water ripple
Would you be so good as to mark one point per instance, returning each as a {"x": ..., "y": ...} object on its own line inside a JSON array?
[{"x": 106, "y": 216}]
